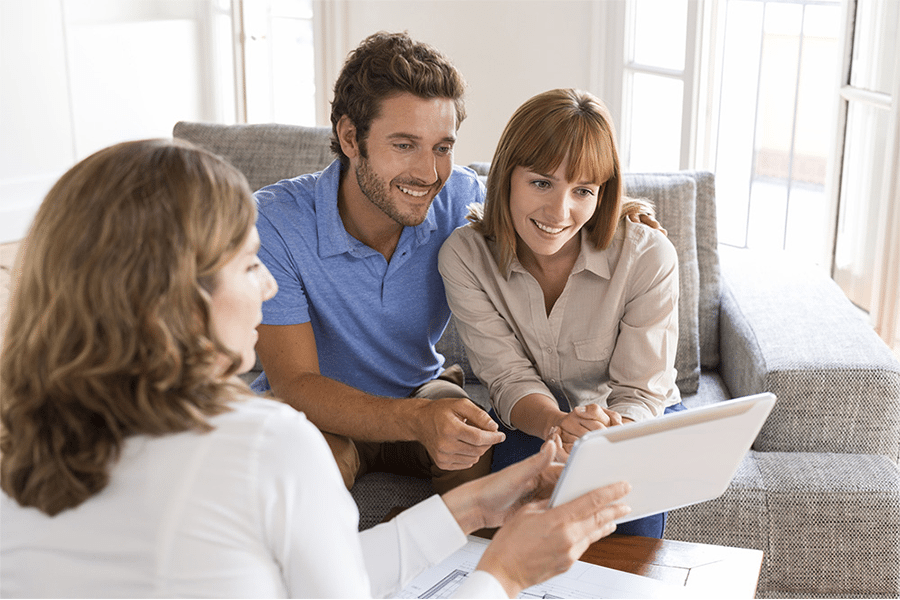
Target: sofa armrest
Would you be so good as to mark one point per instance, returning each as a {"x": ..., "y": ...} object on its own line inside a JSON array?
[{"x": 790, "y": 330}]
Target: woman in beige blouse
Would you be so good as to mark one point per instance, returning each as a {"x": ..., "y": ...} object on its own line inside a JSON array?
[{"x": 569, "y": 314}]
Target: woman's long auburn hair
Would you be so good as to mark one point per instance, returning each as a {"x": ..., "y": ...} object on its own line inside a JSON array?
[
  {"x": 109, "y": 332},
  {"x": 547, "y": 129}
]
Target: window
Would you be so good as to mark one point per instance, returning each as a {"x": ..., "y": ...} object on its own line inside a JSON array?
[
  {"x": 658, "y": 86},
  {"x": 866, "y": 261},
  {"x": 748, "y": 89},
  {"x": 278, "y": 61}
]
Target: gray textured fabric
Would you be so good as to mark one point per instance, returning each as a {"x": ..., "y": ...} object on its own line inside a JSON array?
[
  {"x": 265, "y": 154},
  {"x": 793, "y": 332},
  {"x": 707, "y": 242},
  {"x": 675, "y": 195},
  {"x": 827, "y": 523},
  {"x": 377, "y": 494},
  {"x": 708, "y": 265}
]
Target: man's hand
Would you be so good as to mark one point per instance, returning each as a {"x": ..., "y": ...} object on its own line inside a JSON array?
[
  {"x": 455, "y": 431},
  {"x": 538, "y": 542},
  {"x": 641, "y": 211}
]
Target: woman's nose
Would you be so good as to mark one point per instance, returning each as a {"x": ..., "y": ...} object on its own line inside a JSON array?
[{"x": 269, "y": 286}]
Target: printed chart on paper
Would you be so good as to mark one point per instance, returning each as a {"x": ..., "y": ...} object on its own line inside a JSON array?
[{"x": 583, "y": 580}]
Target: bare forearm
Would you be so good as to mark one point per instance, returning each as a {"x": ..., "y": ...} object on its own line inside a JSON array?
[
  {"x": 535, "y": 414},
  {"x": 338, "y": 408}
]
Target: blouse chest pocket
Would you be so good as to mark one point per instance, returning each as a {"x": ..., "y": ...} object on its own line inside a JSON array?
[{"x": 593, "y": 358}]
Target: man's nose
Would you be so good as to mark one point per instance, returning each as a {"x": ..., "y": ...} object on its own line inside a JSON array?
[{"x": 425, "y": 168}]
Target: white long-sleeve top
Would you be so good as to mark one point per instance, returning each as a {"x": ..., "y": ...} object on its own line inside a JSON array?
[{"x": 255, "y": 508}]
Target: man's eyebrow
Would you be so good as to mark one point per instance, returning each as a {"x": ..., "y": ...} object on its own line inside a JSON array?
[{"x": 409, "y": 136}]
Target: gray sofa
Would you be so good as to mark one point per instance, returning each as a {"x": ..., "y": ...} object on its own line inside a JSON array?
[{"x": 819, "y": 492}]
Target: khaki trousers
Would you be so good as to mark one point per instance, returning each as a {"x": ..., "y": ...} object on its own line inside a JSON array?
[{"x": 356, "y": 458}]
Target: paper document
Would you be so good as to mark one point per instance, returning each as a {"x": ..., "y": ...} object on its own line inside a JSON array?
[{"x": 583, "y": 580}]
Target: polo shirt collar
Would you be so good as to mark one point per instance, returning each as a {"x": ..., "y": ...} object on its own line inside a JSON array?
[{"x": 333, "y": 236}]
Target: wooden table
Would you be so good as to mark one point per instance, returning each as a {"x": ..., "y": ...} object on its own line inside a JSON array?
[{"x": 716, "y": 571}]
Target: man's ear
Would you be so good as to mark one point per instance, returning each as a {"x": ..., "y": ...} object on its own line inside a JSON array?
[{"x": 346, "y": 134}]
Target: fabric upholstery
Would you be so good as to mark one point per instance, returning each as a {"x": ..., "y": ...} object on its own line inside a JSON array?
[
  {"x": 265, "y": 153},
  {"x": 844, "y": 544},
  {"x": 837, "y": 384},
  {"x": 675, "y": 199}
]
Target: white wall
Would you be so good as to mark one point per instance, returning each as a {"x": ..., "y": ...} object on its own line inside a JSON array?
[
  {"x": 36, "y": 140},
  {"x": 507, "y": 50},
  {"x": 79, "y": 75}
]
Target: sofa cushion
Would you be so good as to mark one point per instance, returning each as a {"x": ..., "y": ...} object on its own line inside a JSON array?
[
  {"x": 675, "y": 198},
  {"x": 265, "y": 154}
]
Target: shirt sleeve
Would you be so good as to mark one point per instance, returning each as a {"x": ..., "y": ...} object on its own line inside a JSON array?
[
  {"x": 497, "y": 356},
  {"x": 290, "y": 305},
  {"x": 309, "y": 519},
  {"x": 642, "y": 365},
  {"x": 418, "y": 538},
  {"x": 480, "y": 584}
]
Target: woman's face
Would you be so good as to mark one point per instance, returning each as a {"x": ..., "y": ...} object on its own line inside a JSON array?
[
  {"x": 241, "y": 286},
  {"x": 548, "y": 210}
]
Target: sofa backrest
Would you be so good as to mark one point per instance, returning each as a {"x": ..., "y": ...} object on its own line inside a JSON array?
[
  {"x": 685, "y": 202},
  {"x": 266, "y": 153}
]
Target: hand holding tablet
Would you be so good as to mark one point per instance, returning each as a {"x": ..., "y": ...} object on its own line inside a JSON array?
[{"x": 672, "y": 461}]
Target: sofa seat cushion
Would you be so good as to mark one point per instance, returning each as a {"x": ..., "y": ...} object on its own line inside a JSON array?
[{"x": 827, "y": 522}]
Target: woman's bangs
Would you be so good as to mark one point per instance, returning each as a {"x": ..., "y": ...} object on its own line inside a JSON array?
[{"x": 591, "y": 156}]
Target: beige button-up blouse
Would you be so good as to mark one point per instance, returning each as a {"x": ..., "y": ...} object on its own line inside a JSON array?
[{"x": 610, "y": 339}]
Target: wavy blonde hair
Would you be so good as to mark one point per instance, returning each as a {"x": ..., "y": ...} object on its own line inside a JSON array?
[
  {"x": 540, "y": 135},
  {"x": 109, "y": 332}
]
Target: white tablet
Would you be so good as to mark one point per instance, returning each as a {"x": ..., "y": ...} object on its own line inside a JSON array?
[{"x": 671, "y": 461}]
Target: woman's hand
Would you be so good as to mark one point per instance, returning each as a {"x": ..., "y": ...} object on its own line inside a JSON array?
[
  {"x": 583, "y": 419},
  {"x": 540, "y": 542},
  {"x": 491, "y": 500}
]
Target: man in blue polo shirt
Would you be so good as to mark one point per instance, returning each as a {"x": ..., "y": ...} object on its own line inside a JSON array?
[{"x": 349, "y": 339}]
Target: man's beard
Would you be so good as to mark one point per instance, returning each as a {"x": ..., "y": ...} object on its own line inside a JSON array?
[{"x": 379, "y": 193}]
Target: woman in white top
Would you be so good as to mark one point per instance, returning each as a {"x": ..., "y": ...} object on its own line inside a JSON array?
[
  {"x": 568, "y": 313},
  {"x": 136, "y": 464}
]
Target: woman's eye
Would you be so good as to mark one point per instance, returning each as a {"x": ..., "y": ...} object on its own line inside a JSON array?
[
  {"x": 541, "y": 184},
  {"x": 585, "y": 192}
]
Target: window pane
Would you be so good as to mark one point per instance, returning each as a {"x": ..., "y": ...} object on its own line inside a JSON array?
[
  {"x": 864, "y": 162},
  {"x": 660, "y": 31},
  {"x": 655, "y": 143},
  {"x": 737, "y": 111},
  {"x": 875, "y": 45},
  {"x": 293, "y": 66},
  {"x": 780, "y": 60}
]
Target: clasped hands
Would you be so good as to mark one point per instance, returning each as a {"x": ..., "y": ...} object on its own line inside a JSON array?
[{"x": 590, "y": 417}]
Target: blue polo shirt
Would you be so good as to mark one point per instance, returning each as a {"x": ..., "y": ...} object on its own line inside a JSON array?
[{"x": 375, "y": 322}]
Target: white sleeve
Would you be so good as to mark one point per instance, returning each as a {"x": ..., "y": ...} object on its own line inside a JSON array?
[
  {"x": 418, "y": 538},
  {"x": 310, "y": 521},
  {"x": 480, "y": 584}
]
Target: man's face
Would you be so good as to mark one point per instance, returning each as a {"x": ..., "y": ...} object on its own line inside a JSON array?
[{"x": 409, "y": 156}]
